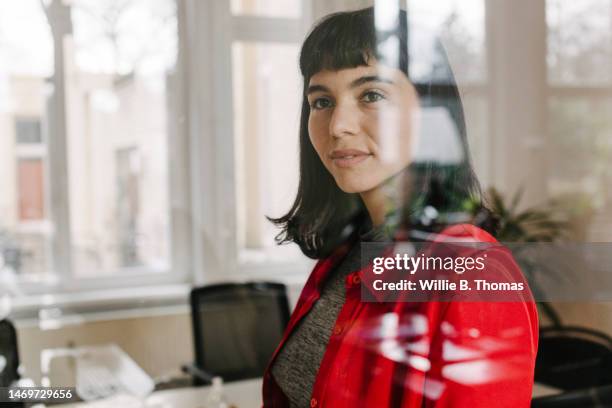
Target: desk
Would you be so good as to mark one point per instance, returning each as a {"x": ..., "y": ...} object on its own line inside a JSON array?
[{"x": 241, "y": 394}]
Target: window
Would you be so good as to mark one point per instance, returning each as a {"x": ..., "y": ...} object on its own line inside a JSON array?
[
  {"x": 579, "y": 95},
  {"x": 120, "y": 216},
  {"x": 146, "y": 168},
  {"x": 579, "y": 42},
  {"x": 88, "y": 153},
  {"x": 30, "y": 169},
  {"x": 26, "y": 53},
  {"x": 267, "y": 104},
  {"x": 30, "y": 185},
  {"x": 28, "y": 131},
  {"x": 460, "y": 26}
]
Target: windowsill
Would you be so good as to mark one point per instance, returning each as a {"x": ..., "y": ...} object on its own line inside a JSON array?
[
  {"x": 108, "y": 304},
  {"x": 287, "y": 272},
  {"x": 42, "y": 227},
  {"x": 73, "y": 308}
]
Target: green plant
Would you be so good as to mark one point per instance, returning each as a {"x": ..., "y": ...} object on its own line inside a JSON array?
[
  {"x": 534, "y": 224},
  {"x": 552, "y": 222}
]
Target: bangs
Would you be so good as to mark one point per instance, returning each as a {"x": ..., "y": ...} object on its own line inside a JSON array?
[
  {"x": 349, "y": 40},
  {"x": 344, "y": 40}
]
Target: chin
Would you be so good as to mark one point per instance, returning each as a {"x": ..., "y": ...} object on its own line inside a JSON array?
[{"x": 352, "y": 186}]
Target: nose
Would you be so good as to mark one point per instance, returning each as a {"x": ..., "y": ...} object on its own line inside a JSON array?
[{"x": 344, "y": 121}]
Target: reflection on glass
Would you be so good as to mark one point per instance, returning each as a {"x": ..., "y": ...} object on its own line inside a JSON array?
[
  {"x": 384, "y": 157},
  {"x": 460, "y": 26},
  {"x": 476, "y": 111},
  {"x": 266, "y": 118}
]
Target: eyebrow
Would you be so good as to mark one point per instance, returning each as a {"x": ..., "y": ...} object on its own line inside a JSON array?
[{"x": 354, "y": 84}]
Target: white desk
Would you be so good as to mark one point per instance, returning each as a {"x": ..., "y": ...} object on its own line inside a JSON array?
[{"x": 240, "y": 394}]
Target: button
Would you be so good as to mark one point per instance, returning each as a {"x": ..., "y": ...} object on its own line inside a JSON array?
[
  {"x": 313, "y": 402},
  {"x": 338, "y": 329},
  {"x": 353, "y": 280}
]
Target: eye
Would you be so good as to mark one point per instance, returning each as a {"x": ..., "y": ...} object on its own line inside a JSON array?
[
  {"x": 321, "y": 103},
  {"x": 372, "y": 96}
]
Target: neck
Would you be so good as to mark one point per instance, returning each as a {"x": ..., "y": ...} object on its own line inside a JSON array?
[
  {"x": 376, "y": 203},
  {"x": 384, "y": 198}
]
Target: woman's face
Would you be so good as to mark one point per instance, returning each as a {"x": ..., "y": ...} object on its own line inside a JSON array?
[{"x": 361, "y": 124}]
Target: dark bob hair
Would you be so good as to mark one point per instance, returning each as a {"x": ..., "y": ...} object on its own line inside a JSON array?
[{"x": 323, "y": 216}]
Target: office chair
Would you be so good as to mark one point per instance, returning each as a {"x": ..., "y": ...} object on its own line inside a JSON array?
[
  {"x": 577, "y": 360},
  {"x": 595, "y": 397},
  {"x": 236, "y": 328},
  {"x": 573, "y": 358},
  {"x": 9, "y": 355},
  {"x": 9, "y": 360}
]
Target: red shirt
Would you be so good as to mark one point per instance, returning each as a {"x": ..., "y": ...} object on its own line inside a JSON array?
[{"x": 420, "y": 354}]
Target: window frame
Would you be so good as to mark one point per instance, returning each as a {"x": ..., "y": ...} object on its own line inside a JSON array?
[
  {"x": 61, "y": 278},
  {"x": 212, "y": 29}
]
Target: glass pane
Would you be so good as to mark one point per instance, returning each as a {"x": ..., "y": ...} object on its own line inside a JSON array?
[
  {"x": 579, "y": 161},
  {"x": 579, "y": 41},
  {"x": 26, "y": 60},
  {"x": 460, "y": 26},
  {"x": 118, "y": 134},
  {"x": 268, "y": 8},
  {"x": 267, "y": 89}
]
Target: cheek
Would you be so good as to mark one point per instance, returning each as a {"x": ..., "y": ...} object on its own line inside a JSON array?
[{"x": 318, "y": 136}]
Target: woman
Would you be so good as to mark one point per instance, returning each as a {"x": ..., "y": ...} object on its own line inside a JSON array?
[{"x": 383, "y": 158}]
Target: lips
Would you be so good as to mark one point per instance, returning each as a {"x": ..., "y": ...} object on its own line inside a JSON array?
[{"x": 348, "y": 157}]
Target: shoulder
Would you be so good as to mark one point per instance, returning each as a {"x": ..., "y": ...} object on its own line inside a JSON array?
[
  {"x": 465, "y": 231},
  {"x": 498, "y": 312}
]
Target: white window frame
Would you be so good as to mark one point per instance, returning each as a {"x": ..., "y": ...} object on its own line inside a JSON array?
[
  {"x": 63, "y": 279},
  {"x": 212, "y": 30}
]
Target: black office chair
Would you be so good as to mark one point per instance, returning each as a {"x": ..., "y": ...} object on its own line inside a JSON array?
[
  {"x": 236, "y": 328},
  {"x": 576, "y": 360},
  {"x": 9, "y": 354},
  {"x": 9, "y": 360},
  {"x": 595, "y": 397}
]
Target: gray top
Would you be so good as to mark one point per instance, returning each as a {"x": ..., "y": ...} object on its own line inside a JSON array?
[{"x": 297, "y": 363}]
